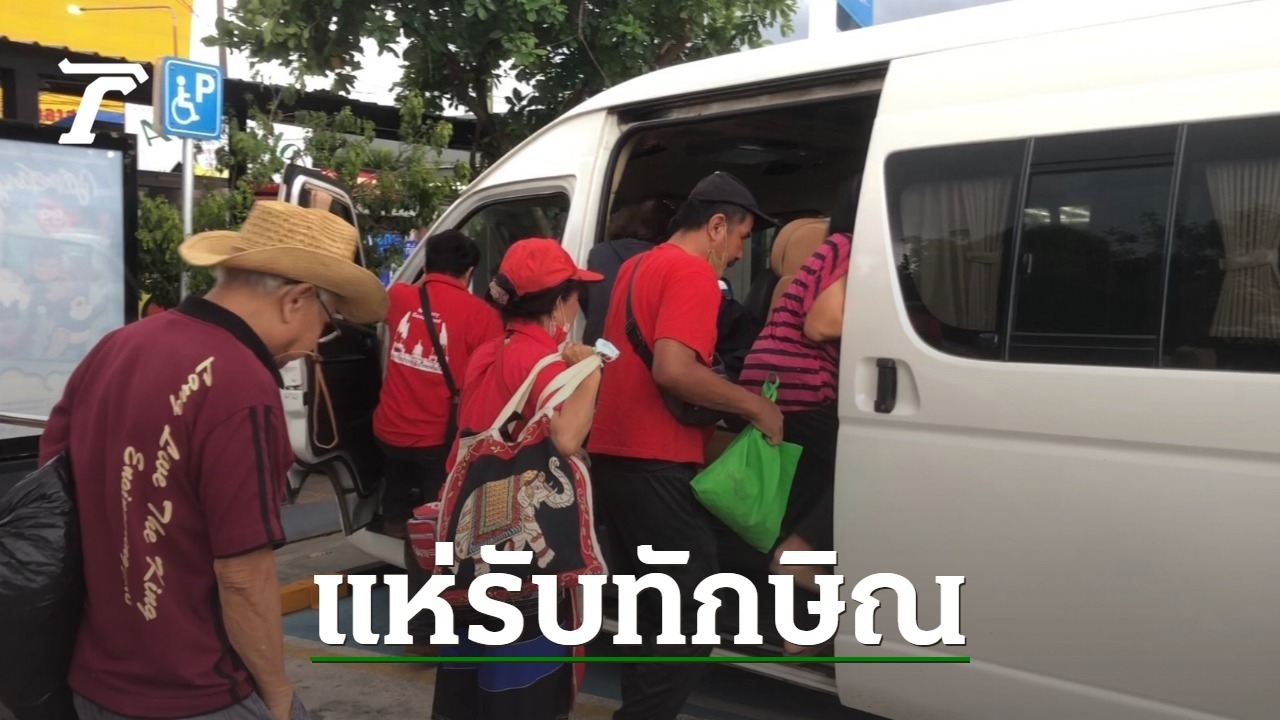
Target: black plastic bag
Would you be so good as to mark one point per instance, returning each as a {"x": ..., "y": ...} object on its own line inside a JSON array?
[{"x": 41, "y": 592}]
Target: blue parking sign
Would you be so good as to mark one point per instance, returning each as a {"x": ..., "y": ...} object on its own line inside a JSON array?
[
  {"x": 862, "y": 11},
  {"x": 189, "y": 99}
]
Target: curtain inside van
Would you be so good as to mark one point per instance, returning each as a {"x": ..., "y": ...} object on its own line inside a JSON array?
[
  {"x": 956, "y": 231},
  {"x": 1246, "y": 204}
]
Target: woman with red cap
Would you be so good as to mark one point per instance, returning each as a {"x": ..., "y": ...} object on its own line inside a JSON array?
[{"x": 536, "y": 291}]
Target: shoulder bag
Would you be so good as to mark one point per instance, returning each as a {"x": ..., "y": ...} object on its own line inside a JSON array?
[
  {"x": 451, "y": 427},
  {"x": 685, "y": 413},
  {"x": 519, "y": 492}
]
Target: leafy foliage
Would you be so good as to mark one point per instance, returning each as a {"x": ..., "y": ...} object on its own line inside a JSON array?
[
  {"x": 411, "y": 187},
  {"x": 159, "y": 234},
  {"x": 455, "y": 49}
]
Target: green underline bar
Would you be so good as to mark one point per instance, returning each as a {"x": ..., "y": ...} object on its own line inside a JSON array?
[{"x": 607, "y": 659}]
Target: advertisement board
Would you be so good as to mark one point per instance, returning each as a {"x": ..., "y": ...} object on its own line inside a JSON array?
[
  {"x": 67, "y": 220},
  {"x": 55, "y": 107},
  {"x": 140, "y": 32}
]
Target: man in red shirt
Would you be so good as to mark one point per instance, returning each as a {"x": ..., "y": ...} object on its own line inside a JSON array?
[
  {"x": 644, "y": 459},
  {"x": 415, "y": 422},
  {"x": 179, "y": 450}
]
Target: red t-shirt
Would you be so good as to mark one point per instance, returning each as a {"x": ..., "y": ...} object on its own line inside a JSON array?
[
  {"x": 677, "y": 297},
  {"x": 413, "y": 409},
  {"x": 180, "y": 453},
  {"x": 497, "y": 370}
]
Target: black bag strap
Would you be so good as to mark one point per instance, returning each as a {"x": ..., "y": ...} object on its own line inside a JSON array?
[
  {"x": 632, "y": 328},
  {"x": 451, "y": 429}
]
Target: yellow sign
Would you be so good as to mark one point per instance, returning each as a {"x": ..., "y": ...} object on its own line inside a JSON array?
[
  {"x": 56, "y": 106},
  {"x": 108, "y": 27}
]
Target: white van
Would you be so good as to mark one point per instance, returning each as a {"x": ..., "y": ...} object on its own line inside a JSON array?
[{"x": 1061, "y": 360}]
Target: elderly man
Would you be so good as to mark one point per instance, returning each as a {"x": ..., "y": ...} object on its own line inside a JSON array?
[{"x": 178, "y": 444}]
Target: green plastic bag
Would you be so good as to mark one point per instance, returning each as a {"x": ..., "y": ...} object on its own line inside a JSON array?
[{"x": 747, "y": 487}]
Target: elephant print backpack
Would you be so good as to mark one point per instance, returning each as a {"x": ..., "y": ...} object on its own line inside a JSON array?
[{"x": 520, "y": 494}]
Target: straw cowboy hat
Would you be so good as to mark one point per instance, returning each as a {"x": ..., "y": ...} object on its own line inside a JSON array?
[{"x": 302, "y": 244}]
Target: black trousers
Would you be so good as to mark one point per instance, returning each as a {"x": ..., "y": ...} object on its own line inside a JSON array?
[
  {"x": 651, "y": 503},
  {"x": 810, "y": 507},
  {"x": 412, "y": 477}
]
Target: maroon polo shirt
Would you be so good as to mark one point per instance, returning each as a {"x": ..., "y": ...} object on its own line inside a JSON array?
[{"x": 180, "y": 452}]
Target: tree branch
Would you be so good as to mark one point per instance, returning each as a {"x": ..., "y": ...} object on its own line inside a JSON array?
[{"x": 672, "y": 51}]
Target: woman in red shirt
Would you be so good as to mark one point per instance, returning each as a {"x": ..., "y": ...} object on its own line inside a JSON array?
[{"x": 536, "y": 291}]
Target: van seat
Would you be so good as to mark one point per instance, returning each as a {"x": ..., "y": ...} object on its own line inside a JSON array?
[{"x": 793, "y": 249}]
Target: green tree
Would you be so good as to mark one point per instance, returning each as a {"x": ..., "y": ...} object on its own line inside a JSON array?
[
  {"x": 159, "y": 234},
  {"x": 456, "y": 49},
  {"x": 411, "y": 184},
  {"x": 411, "y": 187}
]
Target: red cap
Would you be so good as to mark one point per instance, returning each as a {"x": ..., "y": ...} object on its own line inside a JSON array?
[{"x": 537, "y": 264}]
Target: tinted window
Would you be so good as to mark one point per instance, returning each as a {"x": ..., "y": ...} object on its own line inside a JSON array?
[
  {"x": 1089, "y": 283},
  {"x": 1224, "y": 281},
  {"x": 315, "y": 196},
  {"x": 497, "y": 225},
  {"x": 1152, "y": 247},
  {"x": 953, "y": 215}
]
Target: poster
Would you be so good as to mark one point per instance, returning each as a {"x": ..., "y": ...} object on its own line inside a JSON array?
[
  {"x": 386, "y": 244},
  {"x": 62, "y": 277}
]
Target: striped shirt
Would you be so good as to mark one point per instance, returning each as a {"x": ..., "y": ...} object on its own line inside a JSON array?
[{"x": 806, "y": 370}]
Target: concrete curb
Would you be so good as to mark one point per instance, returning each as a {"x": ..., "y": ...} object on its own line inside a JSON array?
[{"x": 302, "y": 595}]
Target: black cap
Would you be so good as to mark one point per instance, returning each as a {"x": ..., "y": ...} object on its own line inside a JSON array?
[{"x": 721, "y": 187}]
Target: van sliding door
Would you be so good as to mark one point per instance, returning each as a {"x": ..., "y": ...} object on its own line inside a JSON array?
[{"x": 1060, "y": 370}]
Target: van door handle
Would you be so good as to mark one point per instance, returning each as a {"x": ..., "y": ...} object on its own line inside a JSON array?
[{"x": 886, "y": 385}]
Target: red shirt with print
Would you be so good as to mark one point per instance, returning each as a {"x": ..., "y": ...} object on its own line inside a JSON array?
[
  {"x": 498, "y": 369},
  {"x": 413, "y": 409},
  {"x": 676, "y": 297},
  {"x": 179, "y": 452}
]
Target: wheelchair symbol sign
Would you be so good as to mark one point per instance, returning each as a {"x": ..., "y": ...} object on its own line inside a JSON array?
[{"x": 190, "y": 102}]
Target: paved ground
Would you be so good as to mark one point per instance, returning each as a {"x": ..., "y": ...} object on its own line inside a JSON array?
[{"x": 313, "y": 513}]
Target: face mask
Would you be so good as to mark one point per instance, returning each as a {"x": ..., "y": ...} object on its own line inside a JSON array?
[
  {"x": 560, "y": 332},
  {"x": 717, "y": 262}
]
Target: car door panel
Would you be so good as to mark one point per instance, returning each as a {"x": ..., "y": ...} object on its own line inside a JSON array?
[{"x": 330, "y": 404}]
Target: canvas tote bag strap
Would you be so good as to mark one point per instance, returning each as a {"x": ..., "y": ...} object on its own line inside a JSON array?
[
  {"x": 522, "y": 394},
  {"x": 567, "y": 382}
]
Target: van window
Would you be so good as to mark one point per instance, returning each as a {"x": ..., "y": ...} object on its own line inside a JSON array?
[
  {"x": 1149, "y": 247},
  {"x": 1224, "y": 278},
  {"x": 314, "y": 196},
  {"x": 495, "y": 226},
  {"x": 953, "y": 212},
  {"x": 1089, "y": 281}
]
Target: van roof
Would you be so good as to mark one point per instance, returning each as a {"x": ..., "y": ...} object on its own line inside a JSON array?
[{"x": 882, "y": 43}]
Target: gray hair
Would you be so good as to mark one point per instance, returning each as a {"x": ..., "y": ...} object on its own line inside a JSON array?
[{"x": 266, "y": 283}]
